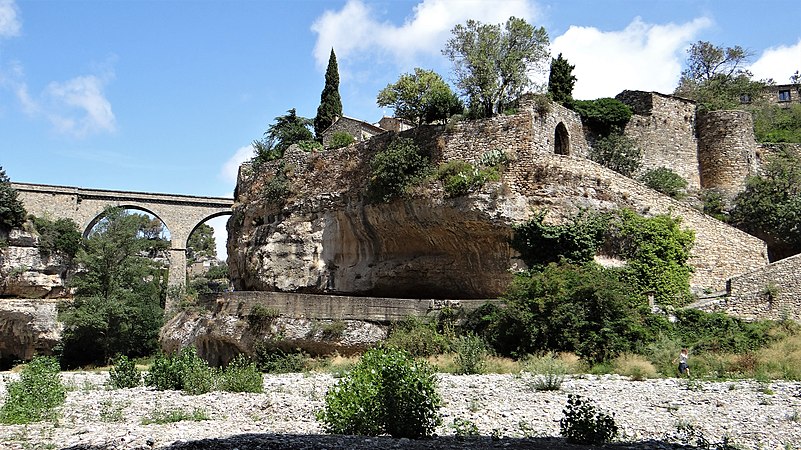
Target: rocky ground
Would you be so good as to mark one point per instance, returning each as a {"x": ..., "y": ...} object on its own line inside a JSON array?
[{"x": 506, "y": 411}]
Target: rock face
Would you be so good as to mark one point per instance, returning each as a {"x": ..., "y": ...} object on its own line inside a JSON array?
[
  {"x": 326, "y": 236},
  {"x": 28, "y": 328},
  {"x": 26, "y": 273}
]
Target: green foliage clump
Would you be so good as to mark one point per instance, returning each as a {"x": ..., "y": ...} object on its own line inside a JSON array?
[
  {"x": 618, "y": 152},
  {"x": 241, "y": 375},
  {"x": 183, "y": 370},
  {"x": 60, "y": 236},
  {"x": 714, "y": 205},
  {"x": 330, "y": 101},
  {"x": 124, "y": 374},
  {"x": 778, "y": 124},
  {"x": 470, "y": 354},
  {"x": 310, "y": 146},
  {"x": 201, "y": 244},
  {"x": 36, "y": 395},
  {"x": 584, "y": 423},
  {"x": 172, "y": 415},
  {"x": 341, "y": 139},
  {"x": 395, "y": 169},
  {"x": 770, "y": 206},
  {"x": 656, "y": 251},
  {"x": 270, "y": 359},
  {"x": 420, "y": 97},
  {"x": 547, "y": 372},
  {"x": 419, "y": 339},
  {"x": 576, "y": 241},
  {"x": 718, "y": 332},
  {"x": 603, "y": 115},
  {"x": 665, "y": 181},
  {"x": 287, "y": 130},
  {"x": 586, "y": 309},
  {"x": 12, "y": 213},
  {"x": 387, "y": 392},
  {"x": 277, "y": 188},
  {"x": 119, "y": 294},
  {"x": 460, "y": 178}
]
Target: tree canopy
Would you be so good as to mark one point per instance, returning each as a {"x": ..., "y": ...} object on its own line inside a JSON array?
[
  {"x": 561, "y": 80},
  {"x": 716, "y": 77},
  {"x": 493, "y": 64},
  {"x": 201, "y": 244},
  {"x": 422, "y": 96},
  {"x": 119, "y": 293},
  {"x": 330, "y": 102},
  {"x": 287, "y": 130},
  {"x": 770, "y": 206},
  {"x": 12, "y": 213}
]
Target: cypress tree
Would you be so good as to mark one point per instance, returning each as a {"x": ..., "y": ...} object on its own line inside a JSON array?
[
  {"x": 561, "y": 80},
  {"x": 12, "y": 213},
  {"x": 330, "y": 102}
]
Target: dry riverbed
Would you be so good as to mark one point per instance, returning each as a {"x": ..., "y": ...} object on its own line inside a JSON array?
[{"x": 504, "y": 409}]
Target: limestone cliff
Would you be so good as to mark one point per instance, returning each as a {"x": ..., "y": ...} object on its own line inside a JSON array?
[
  {"x": 28, "y": 327},
  {"x": 26, "y": 273},
  {"x": 325, "y": 236}
]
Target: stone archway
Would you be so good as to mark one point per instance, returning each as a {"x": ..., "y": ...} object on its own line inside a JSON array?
[{"x": 561, "y": 140}]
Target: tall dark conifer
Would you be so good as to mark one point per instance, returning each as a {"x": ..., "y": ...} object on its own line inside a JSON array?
[
  {"x": 330, "y": 102},
  {"x": 561, "y": 80}
]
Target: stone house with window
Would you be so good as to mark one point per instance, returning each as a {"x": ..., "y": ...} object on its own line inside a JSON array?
[
  {"x": 359, "y": 129},
  {"x": 780, "y": 94}
]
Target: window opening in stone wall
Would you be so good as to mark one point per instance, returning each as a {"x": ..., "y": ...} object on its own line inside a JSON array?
[
  {"x": 784, "y": 95},
  {"x": 745, "y": 98},
  {"x": 561, "y": 140}
]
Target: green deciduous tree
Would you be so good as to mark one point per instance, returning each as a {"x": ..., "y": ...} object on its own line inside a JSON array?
[
  {"x": 287, "y": 130},
  {"x": 201, "y": 244},
  {"x": 603, "y": 115},
  {"x": 420, "y": 97},
  {"x": 716, "y": 77},
  {"x": 330, "y": 102},
  {"x": 12, "y": 213},
  {"x": 493, "y": 64},
  {"x": 561, "y": 80},
  {"x": 770, "y": 206},
  {"x": 119, "y": 293}
]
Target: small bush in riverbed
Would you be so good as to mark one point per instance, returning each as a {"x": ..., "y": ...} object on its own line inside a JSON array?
[
  {"x": 184, "y": 370},
  {"x": 241, "y": 375},
  {"x": 470, "y": 354},
  {"x": 270, "y": 359},
  {"x": 36, "y": 395},
  {"x": 634, "y": 366},
  {"x": 124, "y": 374},
  {"x": 584, "y": 423},
  {"x": 387, "y": 392},
  {"x": 547, "y": 372}
]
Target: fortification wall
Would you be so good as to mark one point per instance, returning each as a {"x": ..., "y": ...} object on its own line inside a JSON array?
[
  {"x": 663, "y": 127},
  {"x": 772, "y": 292},
  {"x": 726, "y": 150}
]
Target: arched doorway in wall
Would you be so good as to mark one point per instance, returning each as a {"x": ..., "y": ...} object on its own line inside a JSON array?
[{"x": 561, "y": 140}]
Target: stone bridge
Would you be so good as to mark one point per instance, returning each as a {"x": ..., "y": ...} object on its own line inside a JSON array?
[{"x": 181, "y": 214}]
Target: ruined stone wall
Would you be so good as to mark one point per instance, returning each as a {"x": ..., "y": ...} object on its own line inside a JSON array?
[
  {"x": 359, "y": 130},
  {"x": 663, "y": 127},
  {"x": 772, "y": 292},
  {"x": 726, "y": 150}
]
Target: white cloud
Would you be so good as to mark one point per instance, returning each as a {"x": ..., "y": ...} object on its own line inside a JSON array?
[
  {"x": 778, "y": 63},
  {"x": 79, "y": 107},
  {"x": 642, "y": 56},
  {"x": 356, "y": 31},
  {"x": 230, "y": 169},
  {"x": 220, "y": 235},
  {"x": 9, "y": 22}
]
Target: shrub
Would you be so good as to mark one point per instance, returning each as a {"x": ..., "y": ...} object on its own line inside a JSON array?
[
  {"x": 396, "y": 168},
  {"x": 603, "y": 114},
  {"x": 617, "y": 152},
  {"x": 584, "y": 423},
  {"x": 714, "y": 205},
  {"x": 60, "y": 236},
  {"x": 183, "y": 370},
  {"x": 241, "y": 375},
  {"x": 576, "y": 241},
  {"x": 310, "y": 146},
  {"x": 665, "y": 181},
  {"x": 418, "y": 338},
  {"x": 470, "y": 354},
  {"x": 12, "y": 213},
  {"x": 341, "y": 139},
  {"x": 548, "y": 372},
  {"x": 387, "y": 392},
  {"x": 124, "y": 374},
  {"x": 36, "y": 395},
  {"x": 277, "y": 188},
  {"x": 633, "y": 366},
  {"x": 460, "y": 178},
  {"x": 270, "y": 359}
]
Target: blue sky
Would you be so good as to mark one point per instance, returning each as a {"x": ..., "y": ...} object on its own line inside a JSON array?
[{"x": 166, "y": 96}]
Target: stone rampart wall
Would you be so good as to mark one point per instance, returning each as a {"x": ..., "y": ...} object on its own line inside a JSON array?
[
  {"x": 663, "y": 127},
  {"x": 726, "y": 150},
  {"x": 772, "y": 292}
]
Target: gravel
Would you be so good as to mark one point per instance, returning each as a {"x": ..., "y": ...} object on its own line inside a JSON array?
[{"x": 507, "y": 412}]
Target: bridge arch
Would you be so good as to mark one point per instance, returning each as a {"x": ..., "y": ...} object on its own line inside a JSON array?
[
  {"x": 180, "y": 214},
  {"x": 101, "y": 215}
]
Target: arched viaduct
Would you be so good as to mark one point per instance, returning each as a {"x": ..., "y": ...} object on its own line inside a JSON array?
[{"x": 181, "y": 214}]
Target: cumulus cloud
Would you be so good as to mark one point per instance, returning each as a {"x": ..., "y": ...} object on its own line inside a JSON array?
[
  {"x": 230, "y": 169},
  {"x": 9, "y": 21},
  {"x": 357, "y": 30},
  {"x": 778, "y": 63},
  {"x": 642, "y": 56},
  {"x": 79, "y": 107}
]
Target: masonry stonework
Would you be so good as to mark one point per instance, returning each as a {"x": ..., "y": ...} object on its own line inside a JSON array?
[{"x": 726, "y": 150}]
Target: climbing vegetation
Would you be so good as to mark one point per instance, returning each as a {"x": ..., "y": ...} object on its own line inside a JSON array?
[{"x": 396, "y": 168}]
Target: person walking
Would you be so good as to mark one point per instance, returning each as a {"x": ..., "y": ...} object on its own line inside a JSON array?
[{"x": 683, "y": 367}]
